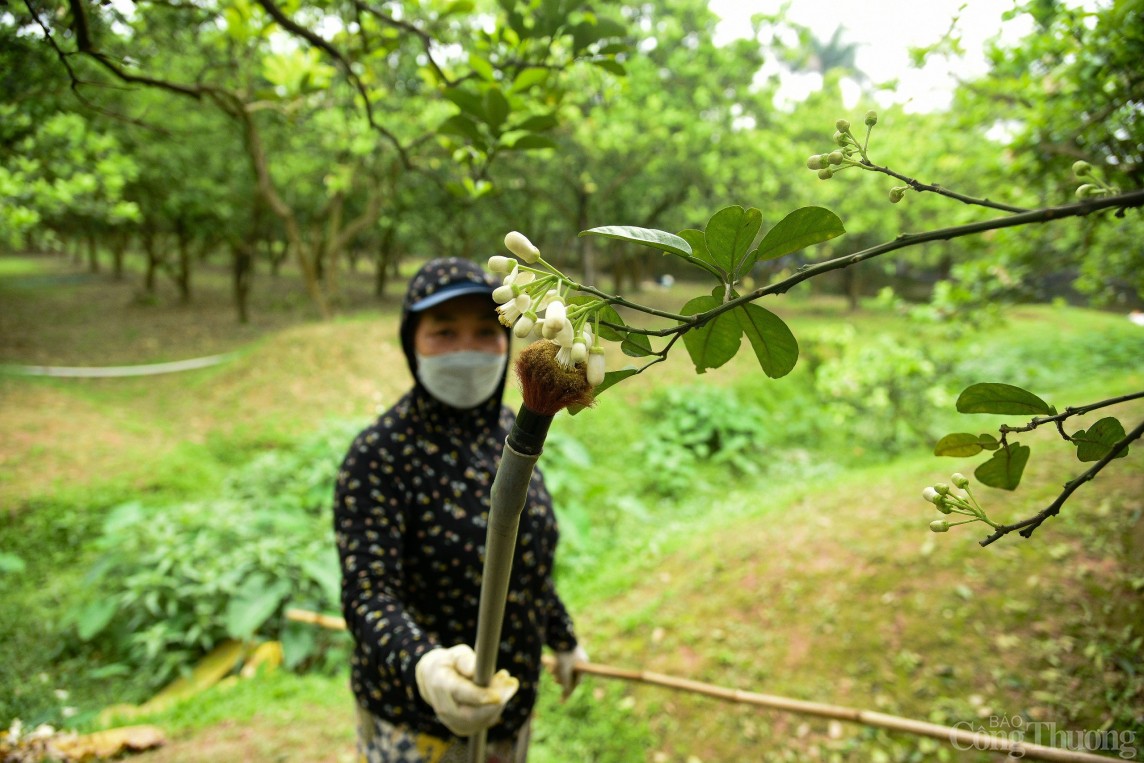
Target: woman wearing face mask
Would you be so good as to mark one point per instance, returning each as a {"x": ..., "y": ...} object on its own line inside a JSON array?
[{"x": 410, "y": 512}]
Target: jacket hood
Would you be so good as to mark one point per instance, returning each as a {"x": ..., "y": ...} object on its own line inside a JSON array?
[{"x": 436, "y": 282}]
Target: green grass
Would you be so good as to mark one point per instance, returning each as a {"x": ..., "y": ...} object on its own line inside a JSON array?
[{"x": 815, "y": 578}]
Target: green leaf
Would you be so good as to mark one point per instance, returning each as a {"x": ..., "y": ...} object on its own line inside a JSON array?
[
  {"x": 298, "y": 643},
  {"x": 715, "y": 342},
  {"x": 467, "y": 101},
  {"x": 1097, "y": 442},
  {"x": 528, "y": 78},
  {"x": 326, "y": 572},
  {"x": 610, "y": 65},
  {"x": 1005, "y": 468},
  {"x": 636, "y": 345},
  {"x": 538, "y": 123},
  {"x": 611, "y": 379},
  {"x": 798, "y": 230},
  {"x": 532, "y": 141},
  {"x": 700, "y": 257},
  {"x": 1000, "y": 398},
  {"x": 606, "y": 314},
  {"x": 95, "y": 617},
  {"x": 774, "y": 344},
  {"x": 962, "y": 444},
  {"x": 649, "y": 237},
  {"x": 11, "y": 563},
  {"x": 256, "y": 600},
  {"x": 729, "y": 235},
  {"x": 461, "y": 125},
  {"x": 496, "y": 108},
  {"x": 481, "y": 67}
]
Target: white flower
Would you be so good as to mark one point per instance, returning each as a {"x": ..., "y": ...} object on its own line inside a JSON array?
[
  {"x": 566, "y": 335},
  {"x": 511, "y": 312},
  {"x": 564, "y": 357},
  {"x": 547, "y": 299},
  {"x": 502, "y": 294},
  {"x": 586, "y": 332},
  {"x": 931, "y": 495},
  {"x": 519, "y": 277},
  {"x": 555, "y": 316},
  {"x": 519, "y": 245},
  {"x": 524, "y": 324},
  {"x": 596, "y": 366},
  {"x": 498, "y": 264}
]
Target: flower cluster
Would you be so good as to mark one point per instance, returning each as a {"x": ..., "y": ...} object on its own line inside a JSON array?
[
  {"x": 533, "y": 302},
  {"x": 948, "y": 502},
  {"x": 850, "y": 153}
]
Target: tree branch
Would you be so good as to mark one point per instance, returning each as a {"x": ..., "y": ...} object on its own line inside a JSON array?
[
  {"x": 1069, "y": 413},
  {"x": 326, "y": 47},
  {"x": 919, "y": 186},
  {"x": 1028, "y": 526},
  {"x": 1120, "y": 202}
]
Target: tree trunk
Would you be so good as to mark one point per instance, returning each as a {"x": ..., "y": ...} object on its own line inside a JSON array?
[
  {"x": 278, "y": 206},
  {"x": 853, "y": 286},
  {"x": 183, "y": 274},
  {"x": 118, "y": 250},
  {"x": 384, "y": 259},
  {"x": 148, "y": 239},
  {"x": 92, "y": 254},
  {"x": 242, "y": 271}
]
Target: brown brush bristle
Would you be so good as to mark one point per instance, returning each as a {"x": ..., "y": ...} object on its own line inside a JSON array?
[{"x": 546, "y": 386}]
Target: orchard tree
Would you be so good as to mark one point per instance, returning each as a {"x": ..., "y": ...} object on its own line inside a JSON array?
[{"x": 423, "y": 77}]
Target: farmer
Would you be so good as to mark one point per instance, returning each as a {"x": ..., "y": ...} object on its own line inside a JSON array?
[{"x": 410, "y": 512}]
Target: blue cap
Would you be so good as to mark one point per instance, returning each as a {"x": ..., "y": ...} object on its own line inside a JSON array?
[{"x": 451, "y": 291}]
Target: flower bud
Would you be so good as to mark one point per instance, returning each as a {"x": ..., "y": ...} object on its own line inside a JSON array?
[
  {"x": 941, "y": 488},
  {"x": 896, "y": 193},
  {"x": 1081, "y": 168},
  {"x": 871, "y": 118},
  {"x": 1086, "y": 190},
  {"x": 834, "y": 157},
  {"x": 596, "y": 366},
  {"x": 939, "y": 526},
  {"x": 814, "y": 162},
  {"x": 959, "y": 480},
  {"x": 579, "y": 350},
  {"x": 840, "y": 138},
  {"x": 842, "y": 125},
  {"x": 523, "y": 326},
  {"x": 501, "y": 265},
  {"x": 502, "y": 294},
  {"x": 519, "y": 245},
  {"x": 555, "y": 316},
  {"x": 825, "y": 173},
  {"x": 931, "y": 495}
]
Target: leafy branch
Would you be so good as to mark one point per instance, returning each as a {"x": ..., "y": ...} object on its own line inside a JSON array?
[
  {"x": 852, "y": 153},
  {"x": 1026, "y": 527},
  {"x": 1102, "y": 442},
  {"x": 713, "y": 326}
]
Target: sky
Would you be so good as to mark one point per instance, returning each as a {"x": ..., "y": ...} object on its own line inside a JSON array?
[{"x": 885, "y": 30}]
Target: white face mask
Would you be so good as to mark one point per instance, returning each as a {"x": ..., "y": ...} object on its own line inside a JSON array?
[{"x": 462, "y": 379}]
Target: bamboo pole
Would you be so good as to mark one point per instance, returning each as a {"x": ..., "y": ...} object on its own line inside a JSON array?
[{"x": 966, "y": 740}]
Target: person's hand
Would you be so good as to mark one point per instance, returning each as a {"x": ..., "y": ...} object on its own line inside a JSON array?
[
  {"x": 445, "y": 681},
  {"x": 565, "y": 669}
]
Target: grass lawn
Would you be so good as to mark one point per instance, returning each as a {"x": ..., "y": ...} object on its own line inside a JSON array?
[{"x": 814, "y": 578}]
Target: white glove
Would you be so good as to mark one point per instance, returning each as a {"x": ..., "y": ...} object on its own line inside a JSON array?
[
  {"x": 445, "y": 681},
  {"x": 565, "y": 669}
]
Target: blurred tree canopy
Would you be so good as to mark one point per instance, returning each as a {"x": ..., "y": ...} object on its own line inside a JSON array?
[{"x": 333, "y": 132}]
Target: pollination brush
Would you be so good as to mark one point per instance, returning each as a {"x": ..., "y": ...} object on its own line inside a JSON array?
[{"x": 547, "y": 388}]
